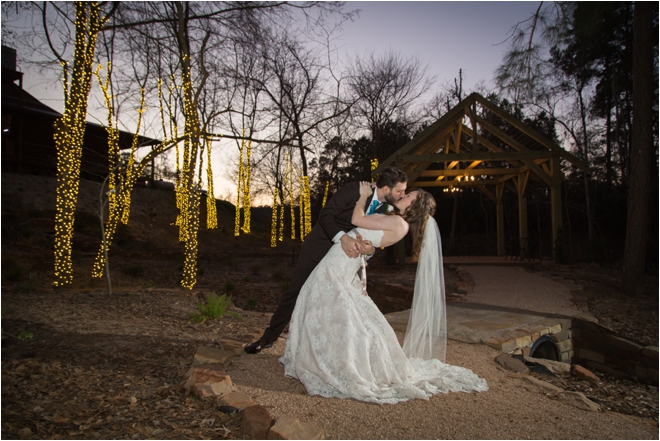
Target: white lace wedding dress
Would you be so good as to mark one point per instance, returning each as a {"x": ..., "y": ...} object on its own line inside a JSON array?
[{"x": 340, "y": 345}]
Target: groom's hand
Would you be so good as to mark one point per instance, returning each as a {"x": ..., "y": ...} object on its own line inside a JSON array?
[{"x": 350, "y": 246}]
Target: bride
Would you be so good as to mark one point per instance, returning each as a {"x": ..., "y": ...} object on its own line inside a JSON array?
[{"x": 340, "y": 345}]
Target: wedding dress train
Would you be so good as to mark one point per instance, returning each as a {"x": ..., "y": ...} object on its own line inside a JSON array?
[{"x": 341, "y": 345}]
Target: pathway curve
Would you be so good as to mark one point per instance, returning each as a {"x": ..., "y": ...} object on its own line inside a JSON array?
[{"x": 513, "y": 287}]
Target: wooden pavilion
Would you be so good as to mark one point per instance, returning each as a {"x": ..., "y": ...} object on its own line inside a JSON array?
[{"x": 479, "y": 144}]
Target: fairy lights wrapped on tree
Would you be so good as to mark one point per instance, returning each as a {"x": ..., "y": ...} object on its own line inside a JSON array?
[
  {"x": 247, "y": 205},
  {"x": 308, "y": 207},
  {"x": 325, "y": 193},
  {"x": 239, "y": 188},
  {"x": 211, "y": 209},
  {"x": 273, "y": 223},
  {"x": 69, "y": 134},
  {"x": 289, "y": 181},
  {"x": 301, "y": 209},
  {"x": 131, "y": 176},
  {"x": 374, "y": 166}
]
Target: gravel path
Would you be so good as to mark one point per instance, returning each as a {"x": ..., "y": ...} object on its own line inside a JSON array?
[
  {"x": 512, "y": 408},
  {"x": 513, "y": 287}
]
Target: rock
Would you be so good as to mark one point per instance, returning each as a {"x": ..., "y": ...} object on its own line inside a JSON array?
[
  {"x": 208, "y": 355},
  {"x": 549, "y": 387},
  {"x": 511, "y": 364},
  {"x": 578, "y": 400},
  {"x": 234, "y": 399},
  {"x": 585, "y": 374},
  {"x": 556, "y": 367},
  {"x": 290, "y": 427},
  {"x": 256, "y": 421},
  {"x": 209, "y": 380},
  {"x": 232, "y": 344}
]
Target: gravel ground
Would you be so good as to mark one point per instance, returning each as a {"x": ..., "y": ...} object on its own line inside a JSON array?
[
  {"x": 513, "y": 287},
  {"x": 512, "y": 408}
]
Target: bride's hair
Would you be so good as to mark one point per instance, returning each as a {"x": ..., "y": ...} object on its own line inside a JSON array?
[{"x": 416, "y": 215}]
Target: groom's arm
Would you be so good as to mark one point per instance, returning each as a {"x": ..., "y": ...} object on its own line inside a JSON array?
[
  {"x": 342, "y": 203},
  {"x": 335, "y": 218}
]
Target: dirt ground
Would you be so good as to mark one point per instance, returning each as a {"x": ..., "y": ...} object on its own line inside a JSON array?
[{"x": 108, "y": 366}]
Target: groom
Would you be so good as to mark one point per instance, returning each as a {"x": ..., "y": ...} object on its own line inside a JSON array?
[{"x": 333, "y": 223}]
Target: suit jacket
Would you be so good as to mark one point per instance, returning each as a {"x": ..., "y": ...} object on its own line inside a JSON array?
[{"x": 334, "y": 217}]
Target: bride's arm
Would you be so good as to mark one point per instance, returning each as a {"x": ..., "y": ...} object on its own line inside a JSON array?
[{"x": 394, "y": 226}]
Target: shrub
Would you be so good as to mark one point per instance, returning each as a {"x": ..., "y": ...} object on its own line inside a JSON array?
[
  {"x": 213, "y": 308},
  {"x": 252, "y": 302}
]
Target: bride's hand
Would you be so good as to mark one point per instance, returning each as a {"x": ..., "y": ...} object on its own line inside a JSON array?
[{"x": 366, "y": 188}]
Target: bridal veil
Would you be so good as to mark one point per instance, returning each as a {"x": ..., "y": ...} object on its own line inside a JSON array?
[{"x": 426, "y": 335}]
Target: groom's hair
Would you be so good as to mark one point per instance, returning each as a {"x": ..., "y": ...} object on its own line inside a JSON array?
[{"x": 390, "y": 176}]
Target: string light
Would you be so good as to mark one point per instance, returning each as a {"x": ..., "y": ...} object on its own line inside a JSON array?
[
  {"x": 374, "y": 166},
  {"x": 325, "y": 193},
  {"x": 239, "y": 188},
  {"x": 191, "y": 190},
  {"x": 273, "y": 222},
  {"x": 131, "y": 176},
  {"x": 69, "y": 135},
  {"x": 247, "y": 205},
  {"x": 301, "y": 210},
  {"x": 308, "y": 208},
  {"x": 281, "y": 235},
  {"x": 289, "y": 180},
  {"x": 211, "y": 209}
]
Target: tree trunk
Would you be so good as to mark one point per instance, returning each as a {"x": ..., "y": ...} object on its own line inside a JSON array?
[{"x": 641, "y": 152}]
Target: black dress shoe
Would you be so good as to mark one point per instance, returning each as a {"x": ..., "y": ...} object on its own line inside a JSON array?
[{"x": 256, "y": 346}]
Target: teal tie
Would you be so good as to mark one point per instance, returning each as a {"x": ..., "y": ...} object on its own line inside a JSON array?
[{"x": 372, "y": 207}]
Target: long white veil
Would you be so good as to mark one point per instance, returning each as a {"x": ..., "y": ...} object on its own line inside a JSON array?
[{"x": 426, "y": 336}]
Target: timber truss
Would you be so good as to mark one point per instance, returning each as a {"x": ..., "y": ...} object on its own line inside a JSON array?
[{"x": 479, "y": 144}]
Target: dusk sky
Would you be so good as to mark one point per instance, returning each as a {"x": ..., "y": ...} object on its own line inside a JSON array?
[{"x": 447, "y": 35}]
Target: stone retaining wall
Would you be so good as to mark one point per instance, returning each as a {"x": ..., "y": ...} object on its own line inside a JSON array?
[{"x": 599, "y": 348}]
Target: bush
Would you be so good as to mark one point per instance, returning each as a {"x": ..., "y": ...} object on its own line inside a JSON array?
[
  {"x": 252, "y": 303},
  {"x": 213, "y": 308}
]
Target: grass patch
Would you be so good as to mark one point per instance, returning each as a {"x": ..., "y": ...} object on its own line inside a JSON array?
[
  {"x": 215, "y": 306},
  {"x": 252, "y": 302},
  {"x": 229, "y": 286}
]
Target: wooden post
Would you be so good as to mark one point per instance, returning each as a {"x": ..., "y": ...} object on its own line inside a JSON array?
[
  {"x": 499, "y": 190},
  {"x": 521, "y": 186},
  {"x": 555, "y": 202}
]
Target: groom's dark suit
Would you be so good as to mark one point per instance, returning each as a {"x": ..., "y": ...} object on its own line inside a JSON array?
[{"x": 333, "y": 218}]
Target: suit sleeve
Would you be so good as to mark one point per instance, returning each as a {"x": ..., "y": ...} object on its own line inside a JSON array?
[{"x": 343, "y": 201}]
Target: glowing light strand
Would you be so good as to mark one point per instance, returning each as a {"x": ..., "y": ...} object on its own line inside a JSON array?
[
  {"x": 239, "y": 188},
  {"x": 69, "y": 134},
  {"x": 247, "y": 205},
  {"x": 211, "y": 209},
  {"x": 325, "y": 193},
  {"x": 273, "y": 221}
]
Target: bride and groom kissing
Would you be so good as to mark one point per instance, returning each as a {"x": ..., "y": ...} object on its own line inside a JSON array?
[{"x": 340, "y": 344}]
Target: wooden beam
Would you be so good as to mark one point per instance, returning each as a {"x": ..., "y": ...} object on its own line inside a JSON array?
[
  {"x": 473, "y": 172},
  {"x": 478, "y": 156},
  {"x": 488, "y": 193},
  {"x": 538, "y": 171},
  {"x": 530, "y": 131},
  {"x": 446, "y": 120}
]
